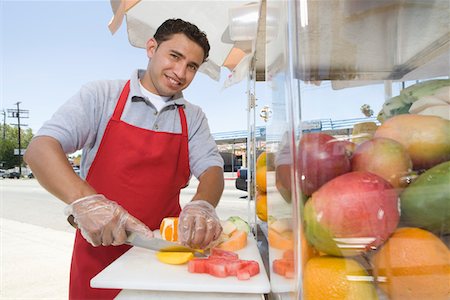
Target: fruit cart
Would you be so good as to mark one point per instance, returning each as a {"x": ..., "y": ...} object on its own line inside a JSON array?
[{"x": 358, "y": 193}]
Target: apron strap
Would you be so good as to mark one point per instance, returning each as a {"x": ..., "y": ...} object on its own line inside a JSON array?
[
  {"x": 184, "y": 129},
  {"x": 121, "y": 103}
]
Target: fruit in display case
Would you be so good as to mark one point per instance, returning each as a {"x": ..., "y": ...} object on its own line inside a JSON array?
[
  {"x": 384, "y": 157},
  {"x": 328, "y": 277},
  {"x": 426, "y": 138},
  {"x": 417, "y": 99},
  {"x": 282, "y": 241},
  {"x": 413, "y": 264},
  {"x": 351, "y": 214},
  {"x": 261, "y": 179},
  {"x": 283, "y": 181},
  {"x": 320, "y": 158},
  {"x": 266, "y": 159},
  {"x": 363, "y": 131},
  {"x": 261, "y": 206},
  {"x": 425, "y": 203}
]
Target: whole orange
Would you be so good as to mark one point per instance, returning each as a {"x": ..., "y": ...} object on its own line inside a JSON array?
[
  {"x": 169, "y": 229},
  {"x": 413, "y": 264},
  {"x": 261, "y": 206},
  {"x": 261, "y": 178},
  {"x": 327, "y": 277}
]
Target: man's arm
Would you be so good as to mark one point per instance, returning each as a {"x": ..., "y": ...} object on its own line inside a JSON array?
[
  {"x": 198, "y": 224},
  {"x": 101, "y": 221},
  {"x": 51, "y": 168},
  {"x": 210, "y": 186}
]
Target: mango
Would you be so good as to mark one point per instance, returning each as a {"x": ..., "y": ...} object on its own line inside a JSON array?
[
  {"x": 425, "y": 203},
  {"x": 426, "y": 138},
  {"x": 174, "y": 258}
]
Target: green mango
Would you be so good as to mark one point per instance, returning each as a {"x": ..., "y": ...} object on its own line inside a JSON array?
[{"x": 425, "y": 203}]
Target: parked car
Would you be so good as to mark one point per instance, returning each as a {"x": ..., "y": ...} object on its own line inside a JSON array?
[
  {"x": 13, "y": 174},
  {"x": 241, "y": 179}
]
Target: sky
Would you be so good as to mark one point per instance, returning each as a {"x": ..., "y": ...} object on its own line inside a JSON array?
[{"x": 49, "y": 49}]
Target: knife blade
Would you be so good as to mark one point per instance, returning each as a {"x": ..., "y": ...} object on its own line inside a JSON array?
[{"x": 156, "y": 244}]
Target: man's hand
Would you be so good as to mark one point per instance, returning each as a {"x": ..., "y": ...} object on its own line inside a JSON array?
[
  {"x": 104, "y": 222},
  {"x": 198, "y": 225}
]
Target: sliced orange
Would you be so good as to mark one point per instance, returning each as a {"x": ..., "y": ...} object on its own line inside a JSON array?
[
  {"x": 237, "y": 241},
  {"x": 169, "y": 229}
]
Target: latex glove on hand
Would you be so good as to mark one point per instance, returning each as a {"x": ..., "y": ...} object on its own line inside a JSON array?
[
  {"x": 104, "y": 222},
  {"x": 198, "y": 225}
]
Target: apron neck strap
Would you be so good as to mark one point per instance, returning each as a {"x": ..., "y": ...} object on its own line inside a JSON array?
[
  {"x": 184, "y": 129},
  {"x": 121, "y": 103}
]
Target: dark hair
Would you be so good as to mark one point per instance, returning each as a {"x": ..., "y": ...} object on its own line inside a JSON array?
[{"x": 173, "y": 26}]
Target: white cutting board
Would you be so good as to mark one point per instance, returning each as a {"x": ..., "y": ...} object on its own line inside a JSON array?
[{"x": 139, "y": 269}]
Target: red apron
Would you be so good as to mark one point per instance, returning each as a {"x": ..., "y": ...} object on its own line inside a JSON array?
[{"x": 142, "y": 170}]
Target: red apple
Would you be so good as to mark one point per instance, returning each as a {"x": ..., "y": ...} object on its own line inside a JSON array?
[
  {"x": 384, "y": 157},
  {"x": 351, "y": 214},
  {"x": 320, "y": 158}
]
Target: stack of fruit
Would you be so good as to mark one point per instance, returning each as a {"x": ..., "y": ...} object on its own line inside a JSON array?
[
  {"x": 378, "y": 211},
  {"x": 264, "y": 163}
]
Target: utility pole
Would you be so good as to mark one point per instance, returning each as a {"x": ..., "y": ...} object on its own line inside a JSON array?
[
  {"x": 4, "y": 124},
  {"x": 18, "y": 113}
]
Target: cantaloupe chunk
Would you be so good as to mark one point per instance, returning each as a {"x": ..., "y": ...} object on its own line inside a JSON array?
[
  {"x": 174, "y": 258},
  {"x": 237, "y": 241},
  {"x": 283, "y": 241}
]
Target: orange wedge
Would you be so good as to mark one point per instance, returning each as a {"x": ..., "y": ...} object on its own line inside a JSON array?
[{"x": 169, "y": 229}]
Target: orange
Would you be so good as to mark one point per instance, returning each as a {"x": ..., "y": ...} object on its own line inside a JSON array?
[
  {"x": 237, "y": 241},
  {"x": 327, "y": 277},
  {"x": 261, "y": 180},
  {"x": 266, "y": 160},
  {"x": 413, "y": 264},
  {"x": 169, "y": 229},
  {"x": 261, "y": 206},
  {"x": 283, "y": 241}
]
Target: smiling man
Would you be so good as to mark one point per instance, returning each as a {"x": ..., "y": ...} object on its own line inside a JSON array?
[{"x": 141, "y": 142}]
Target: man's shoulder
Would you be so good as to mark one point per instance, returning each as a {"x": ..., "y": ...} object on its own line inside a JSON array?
[{"x": 105, "y": 85}]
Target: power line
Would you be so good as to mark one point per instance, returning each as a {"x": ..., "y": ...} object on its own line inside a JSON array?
[{"x": 19, "y": 113}]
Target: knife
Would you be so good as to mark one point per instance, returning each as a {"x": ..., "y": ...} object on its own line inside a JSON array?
[{"x": 155, "y": 244}]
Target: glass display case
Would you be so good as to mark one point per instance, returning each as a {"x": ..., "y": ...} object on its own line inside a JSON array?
[{"x": 357, "y": 154}]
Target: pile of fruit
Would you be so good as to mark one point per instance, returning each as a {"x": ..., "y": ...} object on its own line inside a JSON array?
[
  {"x": 378, "y": 212},
  {"x": 222, "y": 260}
]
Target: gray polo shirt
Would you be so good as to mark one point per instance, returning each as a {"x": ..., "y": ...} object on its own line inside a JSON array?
[{"x": 81, "y": 122}]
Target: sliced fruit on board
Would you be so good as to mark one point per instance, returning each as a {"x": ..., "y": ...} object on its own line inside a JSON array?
[
  {"x": 169, "y": 229},
  {"x": 174, "y": 258},
  {"x": 223, "y": 263},
  {"x": 239, "y": 223},
  {"x": 237, "y": 241}
]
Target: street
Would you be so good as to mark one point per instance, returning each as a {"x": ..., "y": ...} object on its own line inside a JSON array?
[{"x": 36, "y": 241}]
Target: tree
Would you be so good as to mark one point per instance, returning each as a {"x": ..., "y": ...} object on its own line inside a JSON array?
[{"x": 11, "y": 142}]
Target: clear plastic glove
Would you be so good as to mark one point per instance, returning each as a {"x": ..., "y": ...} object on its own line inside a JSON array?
[
  {"x": 104, "y": 222},
  {"x": 198, "y": 225}
]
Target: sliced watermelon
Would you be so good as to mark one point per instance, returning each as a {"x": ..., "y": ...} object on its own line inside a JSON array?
[{"x": 222, "y": 263}]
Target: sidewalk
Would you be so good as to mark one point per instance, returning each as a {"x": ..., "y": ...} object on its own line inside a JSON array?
[{"x": 40, "y": 272}]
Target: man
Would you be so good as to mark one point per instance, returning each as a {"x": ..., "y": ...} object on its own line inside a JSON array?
[{"x": 141, "y": 141}]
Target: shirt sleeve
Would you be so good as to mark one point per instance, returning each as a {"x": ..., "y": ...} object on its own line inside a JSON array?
[
  {"x": 75, "y": 123},
  {"x": 203, "y": 151}
]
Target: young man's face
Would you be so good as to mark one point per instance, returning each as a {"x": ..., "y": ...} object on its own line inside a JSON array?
[{"x": 173, "y": 65}]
